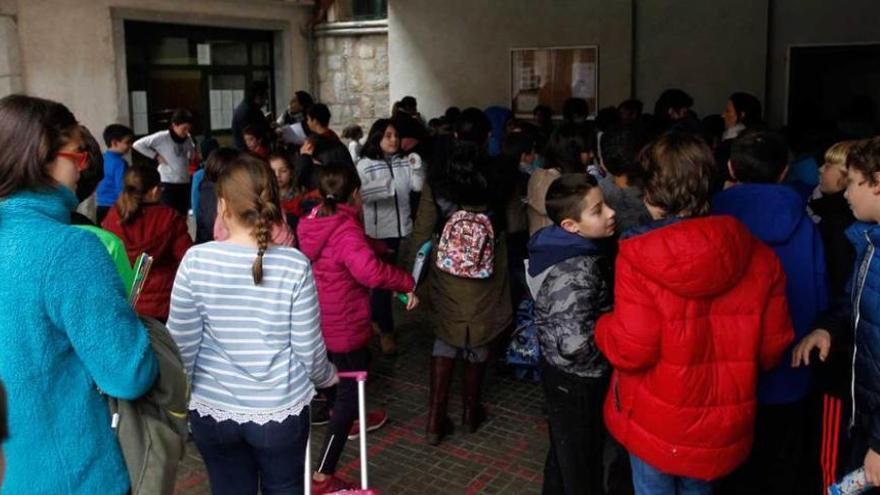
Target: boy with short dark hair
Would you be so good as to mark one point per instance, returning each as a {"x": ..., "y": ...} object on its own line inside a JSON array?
[
  {"x": 863, "y": 195},
  {"x": 777, "y": 215},
  {"x": 699, "y": 309},
  {"x": 569, "y": 281},
  {"x": 117, "y": 138},
  {"x": 618, "y": 156}
]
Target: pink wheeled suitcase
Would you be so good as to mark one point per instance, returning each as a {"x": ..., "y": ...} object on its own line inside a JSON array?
[{"x": 361, "y": 377}]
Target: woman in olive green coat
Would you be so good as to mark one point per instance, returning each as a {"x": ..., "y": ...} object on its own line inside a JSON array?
[{"x": 466, "y": 314}]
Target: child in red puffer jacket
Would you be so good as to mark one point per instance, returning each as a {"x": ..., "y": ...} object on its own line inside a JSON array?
[
  {"x": 699, "y": 310},
  {"x": 346, "y": 267}
]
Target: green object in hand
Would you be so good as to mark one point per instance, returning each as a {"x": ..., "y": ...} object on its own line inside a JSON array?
[{"x": 403, "y": 298}]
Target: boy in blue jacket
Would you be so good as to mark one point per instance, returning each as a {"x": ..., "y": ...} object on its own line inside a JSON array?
[
  {"x": 860, "y": 318},
  {"x": 570, "y": 281},
  {"x": 117, "y": 138},
  {"x": 777, "y": 215}
]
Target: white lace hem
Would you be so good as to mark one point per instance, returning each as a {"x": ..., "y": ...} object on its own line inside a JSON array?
[{"x": 240, "y": 417}]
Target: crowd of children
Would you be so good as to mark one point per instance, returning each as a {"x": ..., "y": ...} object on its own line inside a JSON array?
[{"x": 706, "y": 316}]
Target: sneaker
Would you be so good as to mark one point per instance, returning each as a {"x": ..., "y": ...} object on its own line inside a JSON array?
[
  {"x": 331, "y": 484},
  {"x": 375, "y": 420}
]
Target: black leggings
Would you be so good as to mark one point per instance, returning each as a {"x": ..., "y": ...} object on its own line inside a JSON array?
[{"x": 344, "y": 400}]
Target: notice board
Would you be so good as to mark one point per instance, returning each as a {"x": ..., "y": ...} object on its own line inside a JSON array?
[{"x": 549, "y": 76}]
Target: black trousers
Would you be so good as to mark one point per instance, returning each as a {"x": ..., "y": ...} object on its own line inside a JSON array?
[
  {"x": 577, "y": 434},
  {"x": 777, "y": 459},
  {"x": 344, "y": 407},
  {"x": 177, "y": 196}
]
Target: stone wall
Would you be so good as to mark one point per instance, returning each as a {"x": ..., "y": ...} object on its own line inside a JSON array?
[{"x": 353, "y": 78}]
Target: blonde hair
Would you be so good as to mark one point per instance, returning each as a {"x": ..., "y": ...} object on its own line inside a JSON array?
[
  {"x": 836, "y": 154},
  {"x": 248, "y": 186}
]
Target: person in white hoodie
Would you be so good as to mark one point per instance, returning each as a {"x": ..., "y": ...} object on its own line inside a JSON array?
[
  {"x": 388, "y": 177},
  {"x": 173, "y": 148}
]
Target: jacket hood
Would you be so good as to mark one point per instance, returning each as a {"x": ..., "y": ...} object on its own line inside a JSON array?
[
  {"x": 151, "y": 234},
  {"x": 554, "y": 244},
  {"x": 314, "y": 232},
  {"x": 772, "y": 212},
  {"x": 694, "y": 258}
]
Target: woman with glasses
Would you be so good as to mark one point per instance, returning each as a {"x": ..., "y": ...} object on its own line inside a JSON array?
[{"x": 67, "y": 333}]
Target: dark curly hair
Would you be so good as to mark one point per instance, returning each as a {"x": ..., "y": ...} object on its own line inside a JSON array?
[{"x": 864, "y": 156}]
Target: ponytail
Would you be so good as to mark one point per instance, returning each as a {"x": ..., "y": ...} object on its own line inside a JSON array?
[
  {"x": 337, "y": 182},
  {"x": 138, "y": 181}
]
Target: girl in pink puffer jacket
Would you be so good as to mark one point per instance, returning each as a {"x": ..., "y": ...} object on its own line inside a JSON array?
[{"x": 345, "y": 267}]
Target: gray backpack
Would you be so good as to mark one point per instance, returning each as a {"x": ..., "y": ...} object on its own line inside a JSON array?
[{"x": 152, "y": 429}]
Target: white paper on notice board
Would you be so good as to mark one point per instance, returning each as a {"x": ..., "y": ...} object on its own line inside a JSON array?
[
  {"x": 227, "y": 100},
  {"x": 138, "y": 102},
  {"x": 141, "y": 125},
  {"x": 204, "y": 53},
  {"x": 216, "y": 99},
  {"x": 583, "y": 80},
  {"x": 237, "y": 96}
]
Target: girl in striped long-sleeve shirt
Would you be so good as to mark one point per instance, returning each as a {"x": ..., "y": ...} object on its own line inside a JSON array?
[{"x": 245, "y": 316}]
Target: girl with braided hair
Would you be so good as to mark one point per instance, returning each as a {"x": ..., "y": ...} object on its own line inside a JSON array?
[{"x": 245, "y": 315}]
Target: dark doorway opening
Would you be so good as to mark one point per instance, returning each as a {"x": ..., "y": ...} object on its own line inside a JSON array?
[
  {"x": 835, "y": 86},
  {"x": 204, "y": 69}
]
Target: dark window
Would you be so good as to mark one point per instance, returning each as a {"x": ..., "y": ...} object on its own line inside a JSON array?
[
  {"x": 368, "y": 10},
  {"x": 204, "y": 69}
]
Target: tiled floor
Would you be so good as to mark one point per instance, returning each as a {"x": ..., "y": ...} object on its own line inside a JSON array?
[{"x": 505, "y": 456}]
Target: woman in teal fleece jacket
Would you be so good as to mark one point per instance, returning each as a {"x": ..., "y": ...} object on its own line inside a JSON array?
[{"x": 67, "y": 333}]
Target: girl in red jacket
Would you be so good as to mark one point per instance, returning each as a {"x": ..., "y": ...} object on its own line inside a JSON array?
[
  {"x": 346, "y": 267},
  {"x": 700, "y": 309},
  {"x": 145, "y": 226}
]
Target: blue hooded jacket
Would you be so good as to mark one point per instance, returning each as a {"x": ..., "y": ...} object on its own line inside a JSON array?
[
  {"x": 864, "y": 313},
  {"x": 777, "y": 215}
]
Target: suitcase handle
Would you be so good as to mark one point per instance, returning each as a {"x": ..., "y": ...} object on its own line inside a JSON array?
[{"x": 360, "y": 376}]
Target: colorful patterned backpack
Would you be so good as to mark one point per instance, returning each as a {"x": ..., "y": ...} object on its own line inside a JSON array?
[{"x": 467, "y": 246}]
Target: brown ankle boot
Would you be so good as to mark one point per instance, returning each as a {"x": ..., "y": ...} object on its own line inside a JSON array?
[
  {"x": 439, "y": 424},
  {"x": 473, "y": 413}
]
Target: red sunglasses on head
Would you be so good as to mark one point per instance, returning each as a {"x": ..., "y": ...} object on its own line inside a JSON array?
[{"x": 80, "y": 158}]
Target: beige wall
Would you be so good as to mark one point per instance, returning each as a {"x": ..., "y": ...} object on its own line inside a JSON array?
[
  {"x": 72, "y": 50},
  {"x": 708, "y": 48},
  {"x": 805, "y": 22},
  {"x": 457, "y": 52}
]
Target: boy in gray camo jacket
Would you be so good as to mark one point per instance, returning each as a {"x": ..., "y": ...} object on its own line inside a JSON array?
[{"x": 569, "y": 280}]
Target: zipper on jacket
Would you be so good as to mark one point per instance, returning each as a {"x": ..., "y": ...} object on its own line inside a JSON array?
[
  {"x": 396, "y": 206},
  {"x": 863, "y": 276}
]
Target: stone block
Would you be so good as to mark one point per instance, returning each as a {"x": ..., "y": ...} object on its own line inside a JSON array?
[
  {"x": 366, "y": 51},
  {"x": 347, "y": 46},
  {"x": 340, "y": 84},
  {"x": 334, "y": 62}
]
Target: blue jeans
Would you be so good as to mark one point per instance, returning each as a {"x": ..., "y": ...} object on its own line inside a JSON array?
[
  {"x": 244, "y": 458},
  {"x": 648, "y": 480}
]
